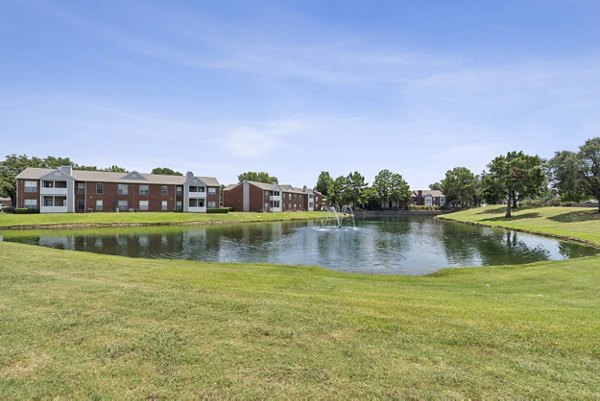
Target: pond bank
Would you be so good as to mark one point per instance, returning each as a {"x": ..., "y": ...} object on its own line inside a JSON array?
[{"x": 578, "y": 224}]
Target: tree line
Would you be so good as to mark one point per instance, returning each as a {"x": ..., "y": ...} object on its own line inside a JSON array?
[
  {"x": 569, "y": 176},
  {"x": 511, "y": 178}
]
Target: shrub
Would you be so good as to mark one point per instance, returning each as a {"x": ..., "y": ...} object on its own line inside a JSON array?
[
  {"x": 218, "y": 210},
  {"x": 22, "y": 210}
]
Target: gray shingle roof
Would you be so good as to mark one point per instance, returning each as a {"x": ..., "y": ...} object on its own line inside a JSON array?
[{"x": 33, "y": 173}]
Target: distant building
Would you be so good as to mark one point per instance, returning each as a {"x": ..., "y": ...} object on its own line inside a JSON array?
[
  {"x": 65, "y": 190},
  {"x": 429, "y": 197},
  {"x": 5, "y": 202},
  {"x": 251, "y": 196}
]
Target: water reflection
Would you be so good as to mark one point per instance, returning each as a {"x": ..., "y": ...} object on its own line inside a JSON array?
[{"x": 392, "y": 245}]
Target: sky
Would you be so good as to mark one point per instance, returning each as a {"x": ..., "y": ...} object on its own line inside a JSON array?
[{"x": 298, "y": 87}]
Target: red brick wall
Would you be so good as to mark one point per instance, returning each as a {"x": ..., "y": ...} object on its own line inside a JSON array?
[
  {"x": 234, "y": 198},
  {"x": 110, "y": 197},
  {"x": 22, "y": 195}
]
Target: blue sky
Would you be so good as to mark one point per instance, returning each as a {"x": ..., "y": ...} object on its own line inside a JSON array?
[{"x": 297, "y": 87}]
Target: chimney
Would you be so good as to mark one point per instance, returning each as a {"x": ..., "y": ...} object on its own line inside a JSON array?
[
  {"x": 189, "y": 174},
  {"x": 304, "y": 189},
  {"x": 66, "y": 169}
]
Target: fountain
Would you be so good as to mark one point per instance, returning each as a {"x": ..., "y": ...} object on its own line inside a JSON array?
[{"x": 345, "y": 211}]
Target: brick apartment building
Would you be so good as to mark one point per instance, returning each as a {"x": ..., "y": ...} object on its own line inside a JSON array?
[
  {"x": 65, "y": 190},
  {"x": 250, "y": 196}
]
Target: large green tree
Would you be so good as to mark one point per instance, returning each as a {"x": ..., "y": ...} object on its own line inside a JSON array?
[
  {"x": 260, "y": 176},
  {"x": 324, "y": 183},
  {"x": 590, "y": 173},
  {"x": 338, "y": 192},
  {"x": 565, "y": 172},
  {"x": 516, "y": 175},
  {"x": 460, "y": 187},
  {"x": 355, "y": 191},
  {"x": 390, "y": 187}
]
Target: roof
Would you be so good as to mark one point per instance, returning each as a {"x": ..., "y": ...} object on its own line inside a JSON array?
[
  {"x": 34, "y": 173},
  {"x": 270, "y": 187},
  {"x": 433, "y": 192}
]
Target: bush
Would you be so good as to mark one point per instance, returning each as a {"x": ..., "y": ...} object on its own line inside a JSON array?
[
  {"x": 218, "y": 210},
  {"x": 22, "y": 210},
  {"x": 423, "y": 207}
]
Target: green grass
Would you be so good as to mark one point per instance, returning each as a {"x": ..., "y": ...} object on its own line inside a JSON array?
[
  {"x": 567, "y": 222},
  {"x": 143, "y": 218},
  {"x": 86, "y": 326}
]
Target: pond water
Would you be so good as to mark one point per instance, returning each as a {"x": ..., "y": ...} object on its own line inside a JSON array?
[{"x": 392, "y": 245}]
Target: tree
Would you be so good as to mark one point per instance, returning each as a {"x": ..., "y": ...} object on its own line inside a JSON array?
[
  {"x": 565, "y": 172},
  {"x": 324, "y": 183},
  {"x": 515, "y": 176},
  {"x": 460, "y": 187},
  {"x": 590, "y": 173},
  {"x": 355, "y": 189},
  {"x": 390, "y": 187},
  {"x": 115, "y": 169},
  {"x": 165, "y": 171},
  {"x": 337, "y": 195},
  {"x": 261, "y": 176},
  {"x": 435, "y": 186}
]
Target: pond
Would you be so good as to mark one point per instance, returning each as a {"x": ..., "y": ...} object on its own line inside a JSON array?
[{"x": 391, "y": 245}]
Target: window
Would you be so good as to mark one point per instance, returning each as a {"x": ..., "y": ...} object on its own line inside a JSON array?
[
  {"x": 30, "y": 203},
  {"x": 164, "y": 206},
  {"x": 212, "y": 204},
  {"x": 48, "y": 184},
  {"x": 143, "y": 205},
  {"x": 276, "y": 193},
  {"x": 212, "y": 191},
  {"x": 122, "y": 205},
  {"x": 164, "y": 190},
  {"x": 99, "y": 205},
  {"x": 31, "y": 186},
  {"x": 60, "y": 184},
  {"x": 193, "y": 202},
  {"x": 48, "y": 201},
  {"x": 275, "y": 204},
  {"x": 80, "y": 188},
  {"x": 179, "y": 190},
  {"x": 179, "y": 206},
  {"x": 144, "y": 190},
  {"x": 290, "y": 196},
  {"x": 60, "y": 201},
  {"x": 122, "y": 189},
  {"x": 80, "y": 204},
  {"x": 197, "y": 189},
  {"x": 99, "y": 188}
]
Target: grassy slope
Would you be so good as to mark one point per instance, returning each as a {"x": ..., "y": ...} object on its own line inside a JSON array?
[
  {"x": 581, "y": 223},
  {"x": 11, "y": 220},
  {"x": 78, "y": 325}
]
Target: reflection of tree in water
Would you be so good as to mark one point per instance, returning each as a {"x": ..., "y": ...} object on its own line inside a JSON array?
[{"x": 494, "y": 247}]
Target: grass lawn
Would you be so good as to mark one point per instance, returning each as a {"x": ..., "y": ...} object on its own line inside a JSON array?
[
  {"x": 87, "y": 326},
  {"x": 144, "y": 218},
  {"x": 571, "y": 222}
]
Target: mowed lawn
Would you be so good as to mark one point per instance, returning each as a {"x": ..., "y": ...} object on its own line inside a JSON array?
[
  {"x": 145, "y": 218},
  {"x": 573, "y": 222},
  {"x": 87, "y": 326}
]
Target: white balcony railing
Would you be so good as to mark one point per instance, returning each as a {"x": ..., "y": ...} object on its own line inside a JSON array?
[
  {"x": 53, "y": 191},
  {"x": 53, "y": 209}
]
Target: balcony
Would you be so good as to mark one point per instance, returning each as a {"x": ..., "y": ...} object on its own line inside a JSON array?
[
  {"x": 197, "y": 195},
  {"x": 53, "y": 209},
  {"x": 53, "y": 191}
]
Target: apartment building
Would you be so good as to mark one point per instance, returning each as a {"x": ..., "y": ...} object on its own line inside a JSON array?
[
  {"x": 251, "y": 196},
  {"x": 65, "y": 190}
]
